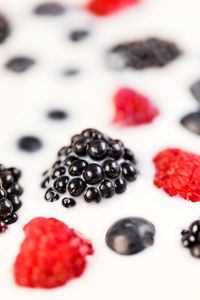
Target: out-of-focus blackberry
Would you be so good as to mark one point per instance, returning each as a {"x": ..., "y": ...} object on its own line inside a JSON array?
[
  {"x": 191, "y": 238},
  {"x": 93, "y": 166},
  {"x": 10, "y": 190}
]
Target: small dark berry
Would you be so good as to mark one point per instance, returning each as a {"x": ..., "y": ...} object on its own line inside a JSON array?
[
  {"x": 16, "y": 202},
  {"x": 20, "y": 64},
  {"x": 130, "y": 236},
  {"x": 29, "y": 143},
  {"x": 52, "y": 9},
  {"x": 15, "y": 189},
  {"x": 45, "y": 182},
  {"x": 111, "y": 168},
  {"x": 78, "y": 35},
  {"x": 116, "y": 149},
  {"x": 16, "y": 173},
  {"x": 77, "y": 167},
  {"x": 51, "y": 195},
  {"x": 120, "y": 185},
  {"x": 3, "y": 193},
  {"x": 6, "y": 208},
  {"x": 129, "y": 171},
  {"x": 68, "y": 202},
  {"x": 106, "y": 189},
  {"x": 4, "y": 29},
  {"x": 57, "y": 115},
  {"x": 80, "y": 146},
  {"x": 65, "y": 151},
  {"x": 76, "y": 186},
  {"x": 11, "y": 219},
  {"x": 98, "y": 149},
  {"x": 93, "y": 174},
  {"x": 92, "y": 195},
  {"x": 60, "y": 184},
  {"x": 128, "y": 155},
  {"x": 69, "y": 160},
  {"x": 3, "y": 226},
  {"x": 58, "y": 172}
]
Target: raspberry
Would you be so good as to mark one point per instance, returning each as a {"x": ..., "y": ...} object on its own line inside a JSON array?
[
  {"x": 132, "y": 108},
  {"x": 51, "y": 254},
  {"x": 107, "y": 7},
  {"x": 178, "y": 173}
]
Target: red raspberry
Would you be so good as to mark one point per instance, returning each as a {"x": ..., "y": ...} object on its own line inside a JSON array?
[
  {"x": 107, "y": 7},
  {"x": 178, "y": 173},
  {"x": 51, "y": 254},
  {"x": 132, "y": 108}
]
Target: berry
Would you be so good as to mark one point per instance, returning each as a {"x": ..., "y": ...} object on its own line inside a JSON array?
[
  {"x": 192, "y": 122},
  {"x": 51, "y": 195},
  {"x": 78, "y": 35},
  {"x": 104, "y": 158},
  {"x": 107, "y": 7},
  {"x": 76, "y": 187},
  {"x": 68, "y": 202},
  {"x": 16, "y": 202},
  {"x": 29, "y": 143},
  {"x": 4, "y": 29},
  {"x": 98, "y": 149},
  {"x": 60, "y": 184},
  {"x": 178, "y": 173},
  {"x": 195, "y": 90},
  {"x": 11, "y": 219},
  {"x": 93, "y": 174},
  {"x": 130, "y": 235},
  {"x": 77, "y": 167},
  {"x": 50, "y": 255},
  {"x": 92, "y": 195},
  {"x": 120, "y": 185},
  {"x": 129, "y": 171},
  {"x": 57, "y": 115},
  {"x": 20, "y": 64},
  {"x": 111, "y": 168},
  {"x": 6, "y": 208},
  {"x": 3, "y": 226},
  {"x": 106, "y": 189},
  {"x": 143, "y": 54},
  {"x": 52, "y": 9},
  {"x": 132, "y": 108}
]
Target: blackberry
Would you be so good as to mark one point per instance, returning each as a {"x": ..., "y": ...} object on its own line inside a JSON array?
[
  {"x": 191, "y": 238},
  {"x": 4, "y": 29},
  {"x": 94, "y": 166},
  {"x": 10, "y": 190},
  {"x": 143, "y": 54}
]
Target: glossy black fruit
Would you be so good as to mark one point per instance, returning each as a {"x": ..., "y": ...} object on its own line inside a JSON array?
[
  {"x": 76, "y": 187},
  {"x": 106, "y": 189},
  {"x": 92, "y": 195},
  {"x": 111, "y": 168},
  {"x": 80, "y": 146},
  {"x": 130, "y": 235},
  {"x": 98, "y": 149},
  {"x": 93, "y": 174}
]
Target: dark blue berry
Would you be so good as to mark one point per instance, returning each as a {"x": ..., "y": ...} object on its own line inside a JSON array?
[
  {"x": 111, "y": 168},
  {"x": 120, "y": 185},
  {"x": 92, "y": 195},
  {"x": 130, "y": 235},
  {"x": 129, "y": 171},
  {"x": 98, "y": 149},
  {"x": 60, "y": 184},
  {"x": 76, "y": 187},
  {"x": 93, "y": 174},
  {"x": 77, "y": 167},
  {"x": 68, "y": 202},
  {"x": 29, "y": 143}
]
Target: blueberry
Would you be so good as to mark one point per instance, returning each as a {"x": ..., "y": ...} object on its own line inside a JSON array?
[
  {"x": 77, "y": 167},
  {"x": 192, "y": 122},
  {"x": 64, "y": 151},
  {"x": 15, "y": 189},
  {"x": 129, "y": 171},
  {"x": 68, "y": 202},
  {"x": 57, "y": 115},
  {"x": 16, "y": 173},
  {"x": 69, "y": 160},
  {"x": 116, "y": 149},
  {"x": 20, "y": 64},
  {"x": 58, "y": 172},
  {"x": 98, "y": 149},
  {"x": 93, "y": 174},
  {"x": 6, "y": 208},
  {"x": 16, "y": 202},
  {"x": 76, "y": 187},
  {"x": 92, "y": 195},
  {"x": 128, "y": 155},
  {"x": 120, "y": 185},
  {"x": 80, "y": 146},
  {"x": 130, "y": 235},
  {"x": 29, "y": 143},
  {"x": 111, "y": 168},
  {"x": 106, "y": 189},
  {"x": 45, "y": 182},
  {"x": 50, "y": 9},
  {"x": 3, "y": 226},
  {"x": 60, "y": 184},
  {"x": 11, "y": 219},
  {"x": 4, "y": 29},
  {"x": 51, "y": 195},
  {"x": 3, "y": 193},
  {"x": 78, "y": 35}
]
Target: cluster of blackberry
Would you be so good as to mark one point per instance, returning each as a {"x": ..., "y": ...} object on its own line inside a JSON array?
[
  {"x": 191, "y": 238},
  {"x": 94, "y": 164},
  {"x": 10, "y": 191}
]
